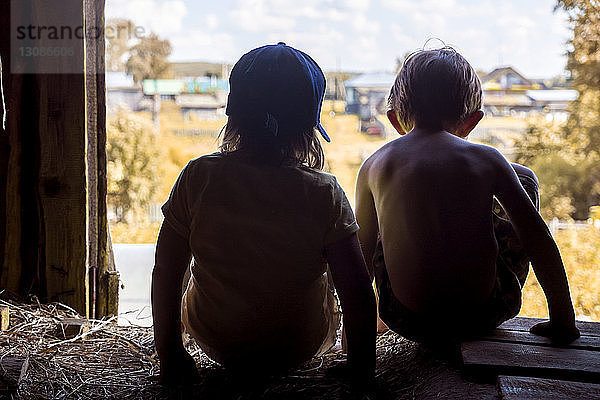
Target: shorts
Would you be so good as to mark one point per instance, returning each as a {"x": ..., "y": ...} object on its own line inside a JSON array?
[
  {"x": 512, "y": 267},
  {"x": 271, "y": 351}
]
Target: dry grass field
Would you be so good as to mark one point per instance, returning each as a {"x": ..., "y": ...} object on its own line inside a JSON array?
[{"x": 346, "y": 152}]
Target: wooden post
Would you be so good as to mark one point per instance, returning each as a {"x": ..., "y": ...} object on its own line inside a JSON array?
[
  {"x": 10, "y": 160},
  {"x": 45, "y": 246},
  {"x": 102, "y": 274},
  {"x": 53, "y": 227},
  {"x": 4, "y": 152},
  {"x": 92, "y": 92}
]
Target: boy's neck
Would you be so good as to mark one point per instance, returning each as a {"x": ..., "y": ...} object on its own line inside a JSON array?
[{"x": 428, "y": 129}]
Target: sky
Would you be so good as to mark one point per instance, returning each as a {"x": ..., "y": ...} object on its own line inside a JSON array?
[{"x": 360, "y": 35}]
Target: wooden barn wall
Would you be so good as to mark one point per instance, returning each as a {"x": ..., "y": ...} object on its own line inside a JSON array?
[
  {"x": 43, "y": 185},
  {"x": 104, "y": 279}
]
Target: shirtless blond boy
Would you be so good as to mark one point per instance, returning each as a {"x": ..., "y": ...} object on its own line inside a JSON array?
[{"x": 448, "y": 260}]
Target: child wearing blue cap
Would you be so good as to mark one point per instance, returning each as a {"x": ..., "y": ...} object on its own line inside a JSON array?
[
  {"x": 267, "y": 232},
  {"x": 448, "y": 226}
]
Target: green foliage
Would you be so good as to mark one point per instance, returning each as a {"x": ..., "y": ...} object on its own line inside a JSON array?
[
  {"x": 133, "y": 154},
  {"x": 568, "y": 177},
  {"x": 579, "y": 250},
  {"x": 583, "y": 126},
  {"x": 567, "y": 157},
  {"x": 148, "y": 59},
  {"x": 584, "y": 55}
]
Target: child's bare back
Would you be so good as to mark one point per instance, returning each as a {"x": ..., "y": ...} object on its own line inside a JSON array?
[
  {"x": 424, "y": 205},
  {"x": 434, "y": 202}
]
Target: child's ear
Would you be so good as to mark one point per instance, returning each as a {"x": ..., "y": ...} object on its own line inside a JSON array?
[
  {"x": 469, "y": 124},
  {"x": 393, "y": 118}
]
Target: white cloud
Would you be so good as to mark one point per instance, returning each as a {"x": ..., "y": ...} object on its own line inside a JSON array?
[
  {"x": 325, "y": 52},
  {"x": 204, "y": 46},
  {"x": 256, "y": 16},
  {"x": 362, "y": 24},
  {"x": 162, "y": 17},
  {"x": 427, "y": 6},
  {"x": 363, "y": 34},
  {"x": 269, "y": 15},
  {"x": 211, "y": 21}
]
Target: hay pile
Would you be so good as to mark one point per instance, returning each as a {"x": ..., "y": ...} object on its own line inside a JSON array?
[{"x": 110, "y": 361}]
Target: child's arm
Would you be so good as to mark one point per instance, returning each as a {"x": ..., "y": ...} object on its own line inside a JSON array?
[
  {"x": 366, "y": 217},
  {"x": 541, "y": 248},
  {"x": 172, "y": 258},
  {"x": 353, "y": 286}
]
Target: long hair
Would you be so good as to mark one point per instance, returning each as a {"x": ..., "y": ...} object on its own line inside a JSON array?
[{"x": 291, "y": 146}]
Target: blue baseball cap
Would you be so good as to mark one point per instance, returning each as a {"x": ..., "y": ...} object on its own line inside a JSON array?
[{"x": 279, "y": 86}]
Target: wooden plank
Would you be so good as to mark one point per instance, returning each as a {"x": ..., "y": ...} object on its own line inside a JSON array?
[
  {"x": 99, "y": 252},
  {"x": 10, "y": 261},
  {"x": 4, "y": 318},
  {"x": 4, "y": 153},
  {"x": 62, "y": 179},
  {"x": 524, "y": 323},
  {"x": 112, "y": 295},
  {"x": 91, "y": 92},
  {"x": 584, "y": 342},
  {"x": 44, "y": 246},
  {"x": 484, "y": 357},
  {"x": 68, "y": 328},
  {"x": 12, "y": 371},
  {"x": 525, "y": 388}
]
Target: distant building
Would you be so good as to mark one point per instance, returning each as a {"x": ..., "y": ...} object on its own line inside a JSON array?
[
  {"x": 506, "y": 79},
  {"x": 166, "y": 88},
  {"x": 199, "y": 90},
  {"x": 335, "y": 85},
  {"x": 506, "y": 92},
  {"x": 122, "y": 93},
  {"x": 206, "y": 106},
  {"x": 553, "y": 101},
  {"x": 204, "y": 97},
  {"x": 199, "y": 69},
  {"x": 366, "y": 94},
  {"x": 509, "y": 93}
]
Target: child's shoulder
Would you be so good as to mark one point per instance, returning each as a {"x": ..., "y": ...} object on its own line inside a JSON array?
[
  {"x": 203, "y": 163},
  {"x": 400, "y": 151},
  {"x": 206, "y": 159},
  {"x": 382, "y": 155},
  {"x": 231, "y": 162},
  {"x": 318, "y": 177}
]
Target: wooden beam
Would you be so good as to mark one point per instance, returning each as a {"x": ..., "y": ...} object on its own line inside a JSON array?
[
  {"x": 45, "y": 246},
  {"x": 92, "y": 91},
  {"x": 526, "y": 388},
  {"x": 522, "y": 359},
  {"x": 10, "y": 258},
  {"x": 102, "y": 272},
  {"x": 68, "y": 328},
  {"x": 62, "y": 177},
  {"x": 12, "y": 371},
  {"x": 524, "y": 323},
  {"x": 585, "y": 342}
]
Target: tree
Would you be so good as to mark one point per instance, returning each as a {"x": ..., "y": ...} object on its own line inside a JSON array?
[
  {"x": 566, "y": 156},
  {"x": 584, "y": 65},
  {"x": 119, "y": 38},
  {"x": 132, "y": 153},
  {"x": 148, "y": 59}
]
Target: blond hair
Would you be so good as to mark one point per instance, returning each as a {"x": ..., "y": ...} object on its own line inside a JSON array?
[{"x": 435, "y": 88}]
